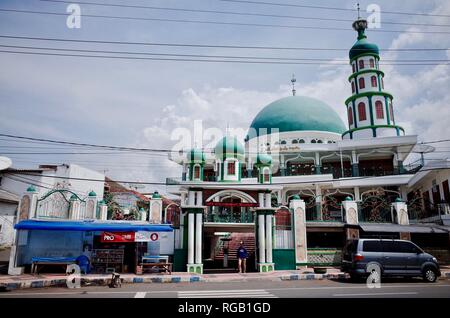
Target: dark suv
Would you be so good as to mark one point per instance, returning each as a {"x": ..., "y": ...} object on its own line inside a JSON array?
[{"x": 394, "y": 258}]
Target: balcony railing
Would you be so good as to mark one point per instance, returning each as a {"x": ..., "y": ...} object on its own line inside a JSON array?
[
  {"x": 243, "y": 217},
  {"x": 316, "y": 213},
  {"x": 381, "y": 214},
  {"x": 432, "y": 211}
]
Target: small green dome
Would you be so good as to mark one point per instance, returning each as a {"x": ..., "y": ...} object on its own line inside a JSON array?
[
  {"x": 73, "y": 197},
  {"x": 295, "y": 197},
  {"x": 263, "y": 159},
  {"x": 348, "y": 198},
  {"x": 362, "y": 46},
  {"x": 229, "y": 147},
  {"x": 92, "y": 194},
  {"x": 31, "y": 188},
  {"x": 296, "y": 113},
  {"x": 196, "y": 156},
  {"x": 156, "y": 195}
]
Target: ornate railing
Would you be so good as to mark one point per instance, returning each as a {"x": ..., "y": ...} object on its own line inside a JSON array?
[{"x": 243, "y": 217}]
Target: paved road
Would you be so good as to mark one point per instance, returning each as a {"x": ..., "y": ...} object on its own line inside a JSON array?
[{"x": 260, "y": 289}]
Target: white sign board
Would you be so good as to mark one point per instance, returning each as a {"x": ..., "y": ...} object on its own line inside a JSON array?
[{"x": 162, "y": 241}]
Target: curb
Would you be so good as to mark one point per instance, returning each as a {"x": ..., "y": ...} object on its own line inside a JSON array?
[{"x": 103, "y": 281}]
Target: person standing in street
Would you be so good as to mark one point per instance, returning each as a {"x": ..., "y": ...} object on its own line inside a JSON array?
[{"x": 242, "y": 257}]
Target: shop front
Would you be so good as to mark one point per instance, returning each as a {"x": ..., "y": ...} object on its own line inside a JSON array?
[{"x": 117, "y": 246}]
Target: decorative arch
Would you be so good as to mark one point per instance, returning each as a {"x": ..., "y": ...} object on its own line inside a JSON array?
[{"x": 232, "y": 193}]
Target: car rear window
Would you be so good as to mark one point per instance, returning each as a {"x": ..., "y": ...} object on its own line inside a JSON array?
[{"x": 372, "y": 246}]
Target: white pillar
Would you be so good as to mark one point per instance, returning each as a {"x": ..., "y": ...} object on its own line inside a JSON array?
[
  {"x": 191, "y": 221},
  {"x": 400, "y": 213},
  {"x": 351, "y": 211},
  {"x": 199, "y": 198},
  {"x": 301, "y": 251},
  {"x": 357, "y": 194},
  {"x": 261, "y": 238},
  {"x": 268, "y": 201},
  {"x": 261, "y": 199},
  {"x": 191, "y": 198},
  {"x": 183, "y": 198},
  {"x": 103, "y": 212},
  {"x": 198, "y": 238},
  {"x": 269, "y": 238}
]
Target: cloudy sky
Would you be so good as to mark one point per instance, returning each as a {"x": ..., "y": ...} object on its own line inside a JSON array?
[{"x": 141, "y": 103}]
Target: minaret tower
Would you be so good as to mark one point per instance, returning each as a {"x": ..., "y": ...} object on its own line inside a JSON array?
[{"x": 370, "y": 111}]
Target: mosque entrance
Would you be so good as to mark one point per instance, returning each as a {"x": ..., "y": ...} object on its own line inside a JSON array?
[{"x": 220, "y": 248}]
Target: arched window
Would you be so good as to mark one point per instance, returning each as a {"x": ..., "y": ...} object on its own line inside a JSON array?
[
  {"x": 361, "y": 64},
  {"x": 283, "y": 142},
  {"x": 379, "y": 109},
  {"x": 372, "y": 63},
  {"x": 362, "y": 83},
  {"x": 382, "y": 83},
  {"x": 320, "y": 141},
  {"x": 301, "y": 141},
  {"x": 353, "y": 87},
  {"x": 313, "y": 141},
  {"x": 197, "y": 172},
  {"x": 350, "y": 116},
  {"x": 295, "y": 141},
  {"x": 374, "y": 81},
  {"x": 231, "y": 168},
  {"x": 362, "y": 111},
  {"x": 353, "y": 67}
]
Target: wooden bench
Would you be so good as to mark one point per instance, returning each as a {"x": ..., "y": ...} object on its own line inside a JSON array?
[{"x": 167, "y": 267}]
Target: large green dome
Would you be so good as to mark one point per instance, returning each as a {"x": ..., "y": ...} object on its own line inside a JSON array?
[
  {"x": 296, "y": 113},
  {"x": 362, "y": 46}
]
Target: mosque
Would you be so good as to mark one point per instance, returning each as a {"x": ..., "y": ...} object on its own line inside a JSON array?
[{"x": 303, "y": 182}]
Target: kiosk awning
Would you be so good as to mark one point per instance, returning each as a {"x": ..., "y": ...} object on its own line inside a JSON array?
[
  {"x": 116, "y": 226},
  {"x": 396, "y": 228}
]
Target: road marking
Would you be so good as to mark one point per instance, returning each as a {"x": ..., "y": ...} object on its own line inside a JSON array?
[
  {"x": 140, "y": 295},
  {"x": 362, "y": 286},
  {"x": 251, "y": 293},
  {"x": 374, "y": 294}
]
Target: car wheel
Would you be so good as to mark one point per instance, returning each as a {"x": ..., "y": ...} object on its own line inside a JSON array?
[{"x": 430, "y": 275}]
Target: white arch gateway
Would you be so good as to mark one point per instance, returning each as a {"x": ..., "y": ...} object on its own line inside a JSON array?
[{"x": 232, "y": 193}]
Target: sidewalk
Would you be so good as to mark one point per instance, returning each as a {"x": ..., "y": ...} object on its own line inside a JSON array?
[{"x": 58, "y": 280}]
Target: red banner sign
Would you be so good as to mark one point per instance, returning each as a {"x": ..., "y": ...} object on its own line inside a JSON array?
[
  {"x": 117, "y": 237},
  {"x": 232, "y": 204}
]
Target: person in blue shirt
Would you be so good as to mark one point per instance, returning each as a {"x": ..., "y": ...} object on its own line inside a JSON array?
[{"x": 242, "y": 257}]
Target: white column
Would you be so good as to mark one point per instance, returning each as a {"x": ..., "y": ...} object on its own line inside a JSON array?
[
  {"x": 261, "y": 199},
  {"x": 269, "y": 238},
  {"x": 198, "y": 238},
  {"x": 268, "y": 201},
  {"x": 191, "y": 198},
  {"x": 191, "y": 221},
  {"x": 183, "y": 198},
  {"x": 103, "y": 212},
  {"x": 199, "y": 198},
  {"x": 261, "y": 238},
  {"x": 357, "y": 194}
]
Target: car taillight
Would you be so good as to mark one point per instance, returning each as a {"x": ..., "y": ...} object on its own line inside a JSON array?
[{"x": 358, "y": 258}]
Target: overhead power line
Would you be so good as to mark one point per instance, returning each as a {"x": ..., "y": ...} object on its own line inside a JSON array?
[
  {"x": 207, "y": 45},
  {"x": 12, "y": 172},
  {"x": 150, "y": 150},
  {"x": 201, "y": 60},
  {"x": 332, "y": 8},
  {"x": 235, "y": 13},
  {"x": 285, "y": 26},
  {"x": 212, "y": 56}
]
